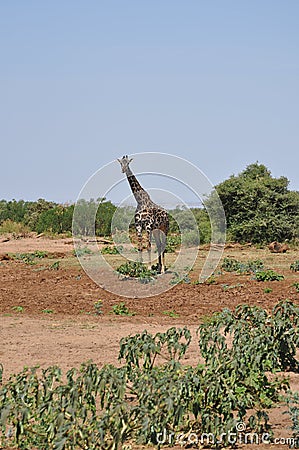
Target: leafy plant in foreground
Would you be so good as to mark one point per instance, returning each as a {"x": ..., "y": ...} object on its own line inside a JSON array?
[
  {"x": 173, "y": 243},
  {"x": 293, "y": 411},
  {"x": 261, "y": 340},
  {"x": 81, "y": 251},
  {"x": 295, "y": 266},
  {"x": 112, "y": 250},
  {"x": 18, "y": 309},
  {"x": 268, "y": 275},
  {"x": 55, "y": 265},
  {"x": 171, "y": 313},
  {"x": 296, "y": 286},
  {"x": 98, "y": 305},
  {"x": 268, "y": 290},
  {"x": 144, "y": 348},
  {"x": 233, "y": 265},
  {"x": 153, "y": 390},
  {"x": 30, "y": 258},
  {"x": 120, "y": 309},
  {"x": 136, "y": 269}
]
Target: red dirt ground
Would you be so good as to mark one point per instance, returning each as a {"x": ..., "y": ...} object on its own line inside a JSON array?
[{"x": 48, "y": 316}]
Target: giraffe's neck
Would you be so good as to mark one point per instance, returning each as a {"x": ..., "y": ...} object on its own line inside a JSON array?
[{"x": 139, "y": 193}]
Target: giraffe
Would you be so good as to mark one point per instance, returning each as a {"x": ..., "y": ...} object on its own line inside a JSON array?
[{"x": 148, "y": 216}]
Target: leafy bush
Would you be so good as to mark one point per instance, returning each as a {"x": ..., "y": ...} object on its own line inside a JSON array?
[
  {"x": 296, "y": 286},
  {"x": 173, "y": 243},
  {"x": 263, "y": 341},
  {"x": 293, "y": 404},
  {"x": 268, "y": 290},
  {"x": 98, "y": 305},
  {"x": 81, "y": 251},
  {"x": 18, "y": 309},
  {"x": 16, "y": 228},
  {"x": 190, "y": 238},
  {"x": 152, "y": 390},
  {"x": 230, "y": 265},
  {"x": 30, "y": 258},
  {"x": 255, "y": 266},
  {"x": 55, "y": 265},
  {"x": 268, "y": 275},
  {"x": 233, "y": 265},
  {"x": 112, "y": 250},
  {"x": 136, "y": 269},
  {"x": 172, "y": 313},
  {"x": 120, "y": 309},
  {"x": 295, "y": 266},
  {"x": 258, "y": 207}
]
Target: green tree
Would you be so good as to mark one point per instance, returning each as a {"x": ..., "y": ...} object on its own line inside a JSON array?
[
  {"x": 93, "y": 216},
  {"x": 258, "y": 207},
  {"x": 104, "y": 217},
  {"x": 84, "y": 217},
  {"x": 34, "y": 211},
  {"x": 56, "y": 220},
  {"x": 13, "y": 210}
]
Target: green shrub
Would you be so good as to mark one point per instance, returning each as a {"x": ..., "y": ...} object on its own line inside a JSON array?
[
  {"x": 268, "y": 275},
  {"x": 138, "y": 270},
  {"x": 190, "y": 238},
  {"x": 296, "y": 286},
  {"x": 55, "y": 265},
  {"x": 295, "y": 266},
  {"x": 230, "y": 265},
  {"x": 233, "y": 265},
  {"x": 112, "y": 250},
  {"x": 81, "y": 251},
  {"x": 98, "y": 305},
  {"x": 30, "y": 258},
  {"x": 262, "y": 340},
  {"x": 293, "y": 411},
  {"x": 268, "y": 290},
  {"x": 16, "y": 228},
  {"x": 18, "y": 309},
  {"x": 152, "y": 390},
  {"x": 120, "y": 309},
  {"x": 258, "y": 207},
  {"x": 173, "y": 243},
  {"x": 171, "y": 314}
]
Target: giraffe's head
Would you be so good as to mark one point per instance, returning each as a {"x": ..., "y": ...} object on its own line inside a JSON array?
[{"x": 124, "y": 163}]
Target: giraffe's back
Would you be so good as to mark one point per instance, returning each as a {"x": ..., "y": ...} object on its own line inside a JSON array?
[{"x": 152, "y": 217}]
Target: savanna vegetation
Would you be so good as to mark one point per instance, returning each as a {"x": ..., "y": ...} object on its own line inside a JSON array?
[
  {"x": 153, "y": 398},
  {"x": 258, "y": 207}
]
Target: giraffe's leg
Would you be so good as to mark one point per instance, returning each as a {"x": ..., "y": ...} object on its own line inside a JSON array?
[
  {"x": 149, "y": 249},
  {"x": 163, "y": 247},
  {"x": 157, "y": 237},
  {"x": 139, "y": 236},
  {"x": 163, "y": 267}
]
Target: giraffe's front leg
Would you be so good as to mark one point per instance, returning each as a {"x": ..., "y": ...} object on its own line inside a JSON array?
[
  {"x": 163, "y": 247},
  {"x": 139, "y": 236}
]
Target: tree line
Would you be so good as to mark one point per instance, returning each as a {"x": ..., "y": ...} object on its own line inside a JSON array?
[{"x": 258, "y": 208}]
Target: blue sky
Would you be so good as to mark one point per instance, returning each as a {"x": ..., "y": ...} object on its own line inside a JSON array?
[{"x": 84, "y": 82}]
